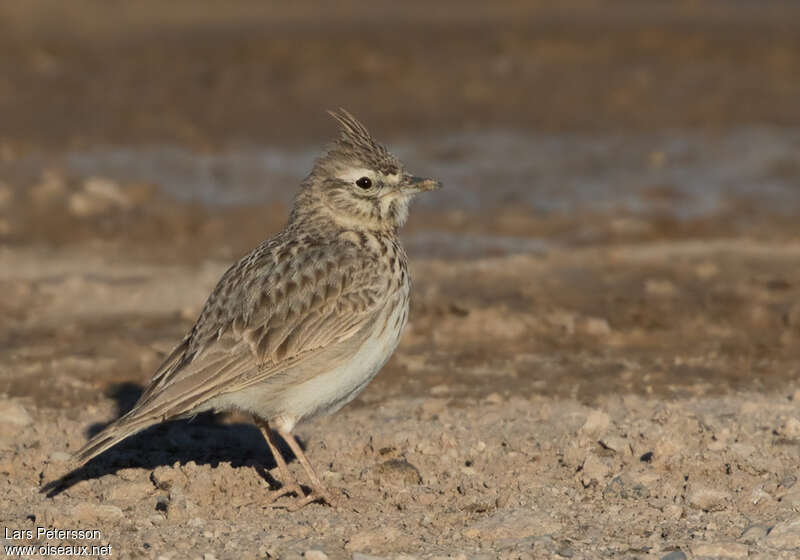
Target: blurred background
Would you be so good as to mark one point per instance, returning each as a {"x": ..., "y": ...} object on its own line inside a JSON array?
[{"x": 622, "y": 182}]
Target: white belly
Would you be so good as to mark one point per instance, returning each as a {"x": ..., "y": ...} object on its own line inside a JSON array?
[
  {"x": 328, "y": 392},
  {"x": 284, "y": 405}
]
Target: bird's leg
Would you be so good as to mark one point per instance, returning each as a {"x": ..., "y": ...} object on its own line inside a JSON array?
[
  {"x": 318, "y": 491},
  {"x": 288, "y": 482}
]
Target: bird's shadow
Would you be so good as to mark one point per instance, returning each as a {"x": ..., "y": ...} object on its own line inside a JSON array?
[{"x": 203, "y": 439}]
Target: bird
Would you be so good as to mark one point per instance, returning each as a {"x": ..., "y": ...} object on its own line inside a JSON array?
[{"x": 299, "y": 326}]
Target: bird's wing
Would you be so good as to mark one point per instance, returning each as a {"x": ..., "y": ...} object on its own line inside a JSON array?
[{"x": 296, "y": 308}]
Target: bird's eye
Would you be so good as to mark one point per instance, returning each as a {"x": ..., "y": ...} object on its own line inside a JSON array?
[{"x": 364, "y": 182}]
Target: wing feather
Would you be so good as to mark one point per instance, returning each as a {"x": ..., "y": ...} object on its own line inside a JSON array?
[
  {"x": 316, "y": 310},
  {"x": 278, "y": 308}
]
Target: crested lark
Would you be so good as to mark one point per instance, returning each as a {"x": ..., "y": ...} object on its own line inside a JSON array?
[{"x": 298, "y": 327}]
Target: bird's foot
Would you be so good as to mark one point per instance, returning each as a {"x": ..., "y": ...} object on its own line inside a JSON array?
[
  {"x": 320, "y": 495},
  {"x": 285, "y": 490}
]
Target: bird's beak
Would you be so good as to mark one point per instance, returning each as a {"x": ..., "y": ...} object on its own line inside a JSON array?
[{"x": 420, "y": 184}]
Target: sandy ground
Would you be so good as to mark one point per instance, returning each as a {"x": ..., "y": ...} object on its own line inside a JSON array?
[
  {"x": 514, "y": 420},
  {"x": 611, "y": 384},
  {"x": 540, "y": 477}
]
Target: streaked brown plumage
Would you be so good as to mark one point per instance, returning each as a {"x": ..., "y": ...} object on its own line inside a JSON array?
[{"x": 299, "y": 326}]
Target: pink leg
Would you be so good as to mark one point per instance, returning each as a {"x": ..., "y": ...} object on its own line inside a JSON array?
[{"x": 288, "y": 482}]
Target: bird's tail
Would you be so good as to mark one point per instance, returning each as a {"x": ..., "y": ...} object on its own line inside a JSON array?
[
  {"x": 137, "y": 419},
  {"x": 112, "y": 435}
]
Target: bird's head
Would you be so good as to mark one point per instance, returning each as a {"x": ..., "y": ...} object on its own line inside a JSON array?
[{"x": 358, "y": 183}]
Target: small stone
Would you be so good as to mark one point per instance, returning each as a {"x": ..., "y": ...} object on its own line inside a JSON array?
[
  {"x": 596, "y": 424},
  {"x": 754, "y": 533},
  {"x": 60, "y": 457},
  {"x": 396, "y": 472},
  {"x": 706, "y": 270},
  {"x": 98, "y": 196},
  {"x": 494, "y": 398},
  {"x": 438, "y": 390},
  {"x": 742, "y": 450},
  {"x": 11, "y": 412},
  {"x": 515, "y": 524},
  {"x": 708, "y": 499},
  {"x": 721, "y": 550},
  {"x": 565, "y": 551},
  {"x": 646, "y": 458},
  {"x": 791, "y": 428},
  {"x": 616, "y": 444},
  {"x": 594, "y": 471},
  {"x": 674, "y": 555},
  {"x": 165, "y": 477},
  {"x": 788, "y": 481},
  {"x": 91, "y": 512},
  {"x": 595, "y": 326},
  {"x": 129, "y": 491},
  {"x": 372, "y": 539},
  {"x": 791, "y": 498},
  {"x": 315, "y": 555},
  {"x": 672, "y": 512},
  {"x": 623, "y": 486},
  {"x": 785, "y": 535},
  {"x": 660, "y": 288},
  {"x": 131, "y": 475}
]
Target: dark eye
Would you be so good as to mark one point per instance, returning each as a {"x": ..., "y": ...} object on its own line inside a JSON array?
[{"x": 364, "y": 182}]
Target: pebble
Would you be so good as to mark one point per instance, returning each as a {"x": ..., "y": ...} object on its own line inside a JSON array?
[
  {"x": 708, "y": 499},
  {"x": 721, "y": 550},
  {"x": 60, "y": 457},
  {"x": 754, "y": 533},
  {"x": 623, "y": 486},
  {"x": 791, "y": 429},
  {"x": 594, "y": 471},
  {"x": 674, "y": 555},
  {"x": 565, "y": 551},
  {"x": 595, "y": 326},
  {"x": 514, "y": 524},
  {"x": 92, "y": 512},
  {"x": 97, "y": 197},
  {"x": 129, "y": 491},
  {"x": 791, "y": 499},
  {"x": 373, "y": 539},
  {"x": 165, "y": 477},
  {"x": 660, "y": 288},
  {"x": 396, "y": 472},
  {"x": 315, "y": 555},
  {"x": 11, "y": 412},
  {"x": 785, "y": 535},
  {"x": 596, "y": 424},
  {"x": 672, "y": 512},
  {"x": 616, "y": 444},
  {"x": 494, "y": 398}
]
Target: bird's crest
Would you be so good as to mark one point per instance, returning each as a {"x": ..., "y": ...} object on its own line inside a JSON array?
[{"x": 355, "y": 142}]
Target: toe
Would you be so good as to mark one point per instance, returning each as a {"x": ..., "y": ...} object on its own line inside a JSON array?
[{"x": 283, "y": 491}]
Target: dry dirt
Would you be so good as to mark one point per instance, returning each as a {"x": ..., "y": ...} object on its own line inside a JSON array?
[
  {"x": 601, "y": 383},
  {"x": 620, "y": 401}
]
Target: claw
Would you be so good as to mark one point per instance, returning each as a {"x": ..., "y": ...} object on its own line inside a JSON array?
[
  {"x": 316, "y": 495},
  {"x": 284, "y": 490}
]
